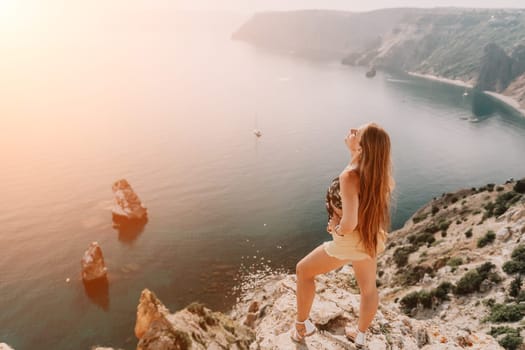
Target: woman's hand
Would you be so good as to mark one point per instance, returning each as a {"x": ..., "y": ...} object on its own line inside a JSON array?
[{"x": 334, "y": 221}]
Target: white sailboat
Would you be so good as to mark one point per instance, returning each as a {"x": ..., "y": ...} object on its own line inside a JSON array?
[{"x": 256, "y": 131}]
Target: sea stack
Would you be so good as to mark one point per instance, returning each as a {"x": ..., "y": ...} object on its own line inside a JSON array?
[
  {"x": 128, "y": 206},
  {"x": 93, "y": 267}
]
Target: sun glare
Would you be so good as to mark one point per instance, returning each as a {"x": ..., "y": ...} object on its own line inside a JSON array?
[{"x": 8, "y": 13}]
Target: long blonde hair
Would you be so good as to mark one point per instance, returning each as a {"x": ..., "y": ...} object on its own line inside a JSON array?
[{"x": 375, "y": 186}]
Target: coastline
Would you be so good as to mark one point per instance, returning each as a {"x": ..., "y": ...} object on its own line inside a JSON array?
[
  {"x": 506, "y": 100},
  {"x": 509, "y": 101},
  {"x": 456, "y": 82}
]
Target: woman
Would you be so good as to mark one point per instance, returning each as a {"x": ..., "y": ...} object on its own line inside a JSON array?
[{"x": 358, "y": 204}]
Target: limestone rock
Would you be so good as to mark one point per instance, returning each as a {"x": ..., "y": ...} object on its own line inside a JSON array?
[
  {"x": 195, "y": 328},
  {"x": 92, "y": 263},
  {"x": 335, "y": 306},
  {"x": 4, "y": 346},
  {"x": 421, "y": 337},
  {"x": 504, "y": 234},
  {"x": 250, "y": 320},
  {"x": 149, "y": 309},
  {"x": 127, "y": 204},
  {"x": 162, "y": 336},
  {"x": 495, "y": 72},
  {"x": 254, "y": 306}
]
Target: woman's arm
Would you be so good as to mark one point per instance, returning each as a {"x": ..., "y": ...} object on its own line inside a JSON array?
[
  {"x": 349, "y": 183},
  {"x": 332, "y": 223}
]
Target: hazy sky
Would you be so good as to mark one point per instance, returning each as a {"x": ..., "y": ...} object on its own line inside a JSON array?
[
  {"x": 353, "y": 5},
  {"x": 17, "y": 14}
]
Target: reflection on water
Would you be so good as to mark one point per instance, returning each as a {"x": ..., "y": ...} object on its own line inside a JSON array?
[
  {"x": 482, "y": 105},
  {"x": 98, "y": 292},
  {"x": 128, "y": 230}
]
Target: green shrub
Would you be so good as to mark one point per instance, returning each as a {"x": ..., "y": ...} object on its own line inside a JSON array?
[
  {"x": 519, "y": 187},
  {"x": 468, "y": 233},
  {"x": 494, "y": 277},
  {"x": 410, "y": 301},
  {"x": 495, "y": 331},
  {"x": 500, "y": 209},
  {"x": 518, "y": 253},
  {"x": 420, "y": 239},
  {"x": 425, "y": 299},
  {"x": 503, "y": 202},
  {"x": 443, "y": 225},
  {"x": 512, "y": 267},
  {"x": 455, "y": 261},
  {"x": 412, "y": 275},
  {"x": 499, "y": 189},
  {"x": 511, "y": 341},
  {"x": 489, "y": 210},
  {"x": 510, "y": 197},
  {"x": 432, "y": 228},
  {"x": 487, "y": 239},
  {"x": 517, "y": 262},
  {"x": 515, "y": 287},
  {"x": 485, "y": 268},
  {"x": 401, "y": 254},
  {"x": 441, "y": 292},
  {"x": 435, "y": 209},
  {"x": 419, "y": 218},
  {"x": 506, "y": 313},
  {"x": 454, "y": 199},
  {"x": 471, "y": 281}
]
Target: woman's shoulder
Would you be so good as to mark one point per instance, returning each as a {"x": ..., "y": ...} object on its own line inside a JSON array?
[
  {"x": 349, "y": 174},
  {"x": 349, "y": 177}
]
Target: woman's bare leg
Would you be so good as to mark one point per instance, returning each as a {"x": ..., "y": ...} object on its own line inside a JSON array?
[
  {"x": 365, "y": 274},
  {"x": 315, "y": 263}
]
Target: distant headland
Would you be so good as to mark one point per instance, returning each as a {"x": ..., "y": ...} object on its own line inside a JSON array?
[{"x": 483, "y": 48}]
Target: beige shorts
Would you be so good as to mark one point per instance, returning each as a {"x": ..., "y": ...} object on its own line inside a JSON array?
[{"x": 348, "y": 247}]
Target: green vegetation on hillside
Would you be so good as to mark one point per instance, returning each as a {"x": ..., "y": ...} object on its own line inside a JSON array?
[{"x": 481, "y": 46}]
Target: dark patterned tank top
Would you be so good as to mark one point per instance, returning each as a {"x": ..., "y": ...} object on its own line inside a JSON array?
[{"x": 333, "y": 198}]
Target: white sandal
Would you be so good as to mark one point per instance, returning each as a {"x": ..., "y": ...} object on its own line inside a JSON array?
[
  {"x": 309, "y": 330},
  {"x": 357, "y": 337}
]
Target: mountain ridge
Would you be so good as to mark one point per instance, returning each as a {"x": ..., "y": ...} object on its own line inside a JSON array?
[{"x": 483, "y": 47}]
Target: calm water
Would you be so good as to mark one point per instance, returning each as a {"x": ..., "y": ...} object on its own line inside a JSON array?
[{"x": 171, "y": 107}]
